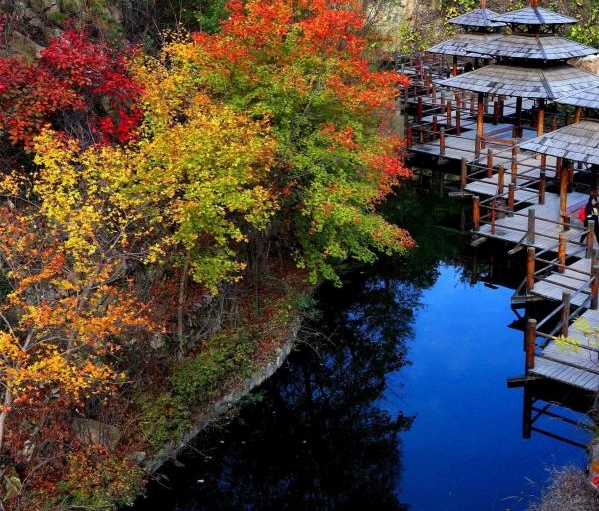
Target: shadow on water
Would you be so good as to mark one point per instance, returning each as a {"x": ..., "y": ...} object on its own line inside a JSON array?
[{"x": 333, "y": 429}]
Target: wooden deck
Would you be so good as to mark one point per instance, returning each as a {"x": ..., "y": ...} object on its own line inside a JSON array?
[{"x": 576, "y": 367}]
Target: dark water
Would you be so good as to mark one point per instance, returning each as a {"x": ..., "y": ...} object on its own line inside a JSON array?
[{"x": 397, "y": 400}]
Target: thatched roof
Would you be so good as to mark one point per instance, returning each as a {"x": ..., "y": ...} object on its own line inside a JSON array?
[
  {"x": 527, "y": 82},
  {"x": 588, "y": 98},
  {"x": 534, "y": 16},
  {"x": 477, "y": 18},
  {"x": 463, "y": 44},
  {"x": 531, "y": 47},
  {"x": 576, "y": 142}
]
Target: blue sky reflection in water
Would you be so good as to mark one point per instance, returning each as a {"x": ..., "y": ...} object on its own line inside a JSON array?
[{"x": 464, "y": 451}]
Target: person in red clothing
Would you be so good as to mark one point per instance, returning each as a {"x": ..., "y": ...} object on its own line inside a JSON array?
[{"x": 591, "y": 212}]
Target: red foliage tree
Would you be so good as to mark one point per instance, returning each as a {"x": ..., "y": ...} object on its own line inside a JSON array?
[{"x": 76, "y": 85}]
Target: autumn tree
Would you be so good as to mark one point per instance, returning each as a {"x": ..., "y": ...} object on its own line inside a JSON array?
[
  {"x": 301, "y": 67},
  {"x": 75, "y": 85}
]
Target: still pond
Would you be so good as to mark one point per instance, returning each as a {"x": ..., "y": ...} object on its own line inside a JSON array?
[{"x": 396, "y": 400}]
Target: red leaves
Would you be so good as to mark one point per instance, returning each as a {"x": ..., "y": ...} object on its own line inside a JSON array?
[{"x": 72, "y": 75}]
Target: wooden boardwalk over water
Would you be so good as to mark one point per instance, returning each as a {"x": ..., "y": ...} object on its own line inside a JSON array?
[{"x": 514, "y": 207}]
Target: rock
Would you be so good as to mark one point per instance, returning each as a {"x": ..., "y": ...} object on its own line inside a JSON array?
[
  {"x": 93, "y": 432},
  {"x": 42, "y": 5},
  {"x": 157, "y": 341},
  {"x": 138, "y": 457},
  {"x": 589, "y": 63}
]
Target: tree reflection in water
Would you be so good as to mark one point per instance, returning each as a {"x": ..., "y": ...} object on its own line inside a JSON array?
[{"x": 316, "y": 439}]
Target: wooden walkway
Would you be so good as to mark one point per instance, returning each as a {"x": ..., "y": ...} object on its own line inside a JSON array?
[{"x": 576, "y": 367}]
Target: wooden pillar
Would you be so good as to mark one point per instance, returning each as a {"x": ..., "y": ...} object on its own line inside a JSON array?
[
  {"x": 442, "y": 142},
  {"x": 540, "y": 117},
  {"x": 420, "y": 108},
  {"x": 561, "y": 252},
  {"x": 519, "y": 116},
  {"x": 458, "y": 115},
  {"x": 511, "y": 194},
  {"x": 435, "y": 127},
  {"x": 563, "y": 193},
  {"x": 590, "y": 238},
  {"x": 489, "y": 162},
  {"x": 514, "y": 166},
  {"x": 493, "y": 215},
  {"x": 434, "y": 94},
  {"x": 495, "y": 112},
  {"x": 500, "y": 179},
  {"x": 595, "y": 288},
  {"x": 565, "y": 314},
  {"x": 475, "y": 213},
  {"x": 480, "y": 119},
  {"x": 463, "y": 173},
  {"x": 542, "y": 186},
  {"x": 455, "y": 65},
  {"x": 577, "y": 113},
  {"x": 448, "y": 112},
  {"x": 530, "y": 268},
  {"x": 530, "y": 232},
  {"x": 409, "y": 137},
  {"x": 593, "y": 179}
]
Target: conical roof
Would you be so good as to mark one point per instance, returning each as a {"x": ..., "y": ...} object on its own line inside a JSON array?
[
  {"x": 576, "y": 142},
  {"x": 463, "y": 44},
  {"x": 478, "y": 18},
  {"x": 534, "y": 47},
  {"x": 527, "y": 82},
  {"x": 588, "y": 98},
  {"x": 534, "y": 16}
]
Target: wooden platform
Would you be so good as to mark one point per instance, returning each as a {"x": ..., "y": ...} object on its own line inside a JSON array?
[{"x": 579, "y": 368}]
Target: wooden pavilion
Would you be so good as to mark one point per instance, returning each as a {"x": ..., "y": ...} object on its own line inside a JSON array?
[
  {"x": 531, "y": 63},
  {"x": 478, "y": 28}
]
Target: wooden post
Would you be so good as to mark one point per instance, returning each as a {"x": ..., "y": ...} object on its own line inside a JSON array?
[
  {"x": 554, "y": 123},
  {"x": 595, "y": 288},
  {"x": 442, "y": 142},
  {"x": 463, "y": 173},
  {"x": 480, "y": 117},
  {"x": 530, "y": 268},
  {"x": 590, "y": 238},
  {"x": 577, "y": 113},
  {"x": 530, "y": 343},
  {"x": 540, "y": 117},
  {"x": 514, "y": 166},
  {"x": 530, "y": 233},
  {"x": 563, "y": 194},
  {"x": 409, "y": 136},
  {"x": 500, "y": 179},
  {"x": 493, "y": 215},
  {"x": 455, "y": 65},
  {"x": 434, "y": 94},
  {"x": 511, "y": 195},
  {"x": 565, "y": 314},
  {"x": 518, "y": 116},
  {"x": 434, "y": 126},
  {"x": 542, "y": 186},
  {"x": 458, "y": 121},
  {"x": 448, "y": 112},
  {"x": 489, "y": 162},
  {"x": 475, "y": 213},
  {"x": 593, "y": 179},
  {"x": 420, "y": 108},
  {"x": 561, "y": 252},
  {"x": 495, "y": 112}
]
